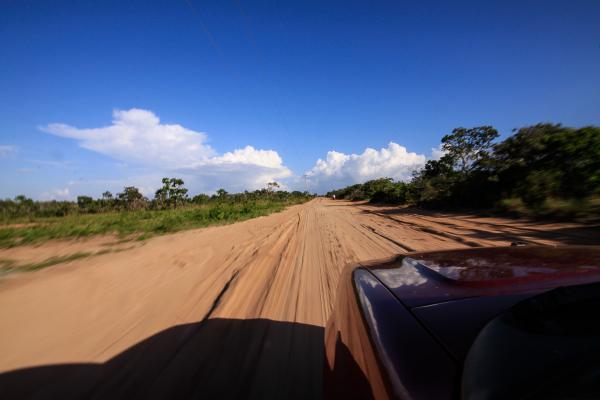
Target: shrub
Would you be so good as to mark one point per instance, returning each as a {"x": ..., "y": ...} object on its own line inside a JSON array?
[
  {"x": 513, "y": 206},
  {"x": 559, "y": 208}
]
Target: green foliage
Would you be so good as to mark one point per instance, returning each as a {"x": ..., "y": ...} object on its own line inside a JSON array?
[
  {"x": 546, "y": 160},
  {"x": 513, "y": 206},
  {"x": 7, "y": 265},
  {"x": 23, "y": 209},
  {"x": 544, "y": 170},
  {"x": 222, "y": 194},
  {"x": 171, "y": 194},
  {"x": 272, "y": 186},
  {"x": 132, "y": 214},
  {"x": 201, "y": 199},
  {"x": 433, "y": 184},
  {"x": 131, "y": 199},
  {"x": 467, "y": 147},
  {"x": 541, "y": 170},
  {"x": 382, "y": 190},
  {"x": 84, "y": 202},
  {"x": 584, "y": 209}
]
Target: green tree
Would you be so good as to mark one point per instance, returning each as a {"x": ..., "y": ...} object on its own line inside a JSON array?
[
  {"x": 24, "y": 205},
  {"x": 548, "y": 160},
  {"x": 222, "y": 194},
  {"x": 107, "y": 201},
  {"x": 84, "y": 203},
  {"x": 107, "y": 196},
  {"x": 171, "y": 194},
  {"x": 272, "y": 186},
  {"x": 131, "y": 199},
  {"x": 22, "y": 199},
  {"x": 200, "y": 199},
  {"x": 460, "y": 176},
  {"x": 467, "y": 147},
  {"x": 178, "y": 193}
]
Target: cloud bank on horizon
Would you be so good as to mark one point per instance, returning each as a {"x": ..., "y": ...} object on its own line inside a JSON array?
[
  {"x": 339, "y": 169},
  {"x": 138, "y": 137}
]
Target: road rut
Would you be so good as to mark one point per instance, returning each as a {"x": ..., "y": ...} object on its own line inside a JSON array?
[{"x": 228, "y": 311}]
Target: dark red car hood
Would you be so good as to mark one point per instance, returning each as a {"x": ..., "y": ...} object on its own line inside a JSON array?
[
  {"x": 419, "y": 279},
  {"x": 455, "y": 293}
]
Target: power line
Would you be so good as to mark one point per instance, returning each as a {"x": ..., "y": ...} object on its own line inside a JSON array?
[
  {"x": 306, "y": 176},
  {"x": 211, "y": 39}
]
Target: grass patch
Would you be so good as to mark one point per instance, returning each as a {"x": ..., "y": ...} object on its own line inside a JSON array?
[
  {"x": 141, "y": 224},
  {"x": 54, "y": 260},
  {"x": 8, "y": 266}
]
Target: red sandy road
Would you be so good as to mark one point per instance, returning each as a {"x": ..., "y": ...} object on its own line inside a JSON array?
[{"x": 232, "y": 311}]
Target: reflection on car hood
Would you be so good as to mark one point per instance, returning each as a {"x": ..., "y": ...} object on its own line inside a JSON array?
[{"x": 425, "y": 278}]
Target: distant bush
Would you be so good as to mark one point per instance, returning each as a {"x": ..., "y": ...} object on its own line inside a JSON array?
[
  {"x": 130, "y": 212},
  {"x": 513, "y": 206},
  {"x": 200, "y": 199},
  {"x": 586, "y": 208},
  {"x": 171, "y": 195},
  {"x": 383, "y": 190}
]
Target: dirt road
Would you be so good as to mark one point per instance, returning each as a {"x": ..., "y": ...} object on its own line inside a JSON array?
[{"x": 229, "y": 311}]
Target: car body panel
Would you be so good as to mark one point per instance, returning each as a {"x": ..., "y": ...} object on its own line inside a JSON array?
[
  {"x": 362, "y": 348},
  {"x": 405, "y": 324},
  {"x": 414, "y": 362},
  {"x": 425, "y": 278},
  {"x": 457, "y": 323},
  {"x": 352, "y": 369}
]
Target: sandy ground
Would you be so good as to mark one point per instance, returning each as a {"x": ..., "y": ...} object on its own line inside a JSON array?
[
  {"x": 24, "y": 255},
  {"x": 228, "y": 311}
]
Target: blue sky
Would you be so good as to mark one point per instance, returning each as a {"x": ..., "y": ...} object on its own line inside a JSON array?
[{"x": 295, "y": 81}]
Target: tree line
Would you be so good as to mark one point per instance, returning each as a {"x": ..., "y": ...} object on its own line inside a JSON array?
[
  {"x": 540, "y": 170},
  {"x": 172, "y": 195}
]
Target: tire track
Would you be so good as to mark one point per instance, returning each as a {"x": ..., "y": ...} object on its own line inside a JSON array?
[{"x": 242, "y": 306}]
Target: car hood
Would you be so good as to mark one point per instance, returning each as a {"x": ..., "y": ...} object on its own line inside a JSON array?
[
  {"x": 420, "y": 279},
  {"x": 455, "y": 293}
]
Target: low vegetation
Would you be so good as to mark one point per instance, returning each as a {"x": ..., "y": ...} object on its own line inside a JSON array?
[
  {"x": 8, "y": 266},
  {"x": 130, "y": 214},
  {"x": 545, "y": 170}
]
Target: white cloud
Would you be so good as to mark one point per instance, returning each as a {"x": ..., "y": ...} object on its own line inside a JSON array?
[
  {"x": 242, "y": 169},
  {"x": 8, "y": 150},
  {"x": 339, "y": 169},
  {"x": 249, "y": 155},
  {"x": 56, "y": 194},
  {"x": 138, "y": 137},
  {"x": 437, "y": 152}
]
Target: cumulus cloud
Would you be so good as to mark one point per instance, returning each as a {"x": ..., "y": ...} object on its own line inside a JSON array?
[
  {"x": 8, "y": 150},
  {"x": 246, "y": 169},
  {"x": 339, "y": 169},
  {"x": 249, "y": 155},
  {"x": 138, "y": 137},
  {"x": 437, "y": 152},
  {"x": 56, "y": 194}
]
